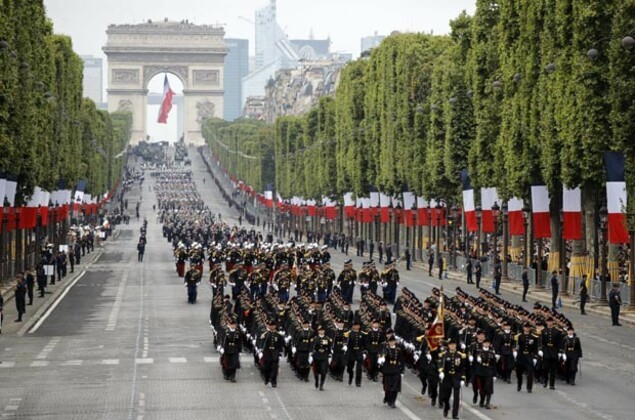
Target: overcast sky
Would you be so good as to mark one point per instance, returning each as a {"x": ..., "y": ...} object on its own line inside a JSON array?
[{"x": 345, "y": 21}]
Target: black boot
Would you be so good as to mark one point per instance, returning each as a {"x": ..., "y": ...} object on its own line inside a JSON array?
[
  {"x": 316, "y": 381},
  {"x": 487, "y": 401}
]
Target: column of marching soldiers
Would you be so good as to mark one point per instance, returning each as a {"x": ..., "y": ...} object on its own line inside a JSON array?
[{"x": 317, "y": 330}]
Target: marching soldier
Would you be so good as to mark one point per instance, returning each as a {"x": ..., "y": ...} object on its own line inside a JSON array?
[
  {"x": 571, "y": 353},
  {"x": 282, "y": 282},
  {"x": 422, "y": 359},
  {"x": 526, "y": 355},
  {"x": 346, "y": 281},
  {"x": 484, "y": 372},
  {"x": 384, "y": 317},
  {"x": 390, "y": 280},
  {"x": 329, "y": 274},
  {"x": 375, "y": 340},
  {"x": 504, "y": 347},
  {"x": 392, "y": 362},
  {"x": 230, "y": 351},
  {"x": 237, "y": 278},
  {"x": 551, "y": 344},
  {"x": 355, "y": 353},
  {"x": 270, "y": 345},
  {"x": 321, "y": 356},
  {"x": 301, "y": 349},
  {"x": 340, "y": 338},
  {"x": 192, "y": 279},
  {"x": 452, "y": 376}
]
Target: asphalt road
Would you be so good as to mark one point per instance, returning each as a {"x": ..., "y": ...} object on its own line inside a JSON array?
[{"x": 124, "y": 344}]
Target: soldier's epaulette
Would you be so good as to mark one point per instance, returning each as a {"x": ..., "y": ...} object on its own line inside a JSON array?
[
  {"x": 420, "y": 338},
  {"x": 346, "y": 334},
  {"x": 365, "y": 332},
  {"x": 263, "y": 335},
  {"x": 463, "y": 356},
  {"x": 516, "y": 337}
]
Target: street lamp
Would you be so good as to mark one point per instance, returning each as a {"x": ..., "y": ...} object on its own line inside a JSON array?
[
  {"x": 504, "y": 274},
  {"x": 479, "y": 214},
  {"x": 495, "y": 210},
  {"x": 563, "y": 257},
  {"x": 438, "y": 208},
  {"x": 429, "y": 225},
  {"x": 526, "y": 214},
  {"x": 397, "y": 227},
  {"x": 453, "y": 220},
  {"x": 604, "y": 249},
  {"x": 413, "y": 248}
]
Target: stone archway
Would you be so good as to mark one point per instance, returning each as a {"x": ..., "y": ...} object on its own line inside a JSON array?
[{"x": 193, "y": 53}]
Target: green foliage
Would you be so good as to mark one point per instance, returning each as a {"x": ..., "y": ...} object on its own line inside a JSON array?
[{"x": 46, "y": 128}]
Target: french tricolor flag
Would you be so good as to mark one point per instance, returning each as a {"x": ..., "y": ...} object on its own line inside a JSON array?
[
  {"x": 468, "y": 202},
  {"x": 616, "y": 197},
  {"x": 166, "y": 102},
  {"x": 540, "y": 211},
  {"x": 571, "y": 213},
  {"x": 384, "y": 205},
  {"x": 349, "y": 205},
  {"x": 489, "y": 196},
  {"x": 269, "y": 198},
  {"x": 515, "y": 212},
  {"x": 409, "y": 200},
  {"x": 422, "y": 212}
]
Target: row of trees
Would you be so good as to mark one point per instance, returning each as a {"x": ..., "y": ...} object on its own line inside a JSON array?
[{"x": 48, "y": 132}]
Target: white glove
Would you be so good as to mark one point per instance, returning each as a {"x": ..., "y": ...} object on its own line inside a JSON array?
[
  {"x": 535, "y": 361},
  {"x": 429, "y": 357},
  {"x": 515, "y": 353},
  {"x": 218, "y": 349},
  {"x": 287, "y": 339},
  {"x": 462, "y": 383},
  {"x": 462, "y": 346},
  {"x": 293, "y": 350},
  {"x": 540, "y": 353},
  {"x": 344, "y": 348},
  {"x": 330, "y": 359},
  {"x": 470, "y": 358},
  {"x": 478, "y": 359},
  {"x": 381, "y": 360},
  {"x": 364, "y": 356},
  {"x": 497, "y": 357},
  {"x": 310, "y": 359},
  {"x": 494, "y": 378},
  {"x": 564, "y": 357},
  {"x": 441, "y": 375},
  {"x": 416, "y": 358},
  {"x": 260, "y": 355},
  {"x": 281, "y": 333},
  {"x": 222, "y": 351}
]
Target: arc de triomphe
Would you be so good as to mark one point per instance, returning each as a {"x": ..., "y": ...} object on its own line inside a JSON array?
[{"x": 193, "y": 53}]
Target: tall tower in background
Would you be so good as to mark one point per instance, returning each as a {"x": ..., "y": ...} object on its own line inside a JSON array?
[
  {"x": 266, "y": 34},
  {"x": 236, "y": 67},
  {"x": 93, "y": 79}
]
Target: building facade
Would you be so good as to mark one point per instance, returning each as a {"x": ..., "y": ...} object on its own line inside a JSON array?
[
  {"x": 236, "y": 68},
  {"x": 93, "y": 79},
  {"x": 370, "y": 42}
]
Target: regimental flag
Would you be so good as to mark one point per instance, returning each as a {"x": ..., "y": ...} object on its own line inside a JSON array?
[
  {"x": 489, "y": 196},
  {"x": 540, "y": 211},
  {"x": 437, "y": 213},
  {"x": 79, "y": 191},
  {"x": 384, "y": 208},
  {"x": 311, "y": 208},
  {"x": 349, "y": 205},
  {"x": 330, "y": 208},
  {"x": 616, "y": 197},
  {"x": 571, "y": 213},
  {"x": 422, "y": 212},
  {"x": 436, "y": 332},
  {"x": 468, "y": 202},
  {"x": 268, "y": 198},
  {"x": 408, "y": 202},
  {"x": 166, "y": 102},
  {"x": 10, "y": 187},
  {"x": 515, "y": 212},
  {"x": 374, "y": 203},
  {"x": 367, "y": 212}
]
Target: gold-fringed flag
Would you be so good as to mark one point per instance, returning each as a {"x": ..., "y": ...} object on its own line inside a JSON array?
[{"x": 436, "y": 332}]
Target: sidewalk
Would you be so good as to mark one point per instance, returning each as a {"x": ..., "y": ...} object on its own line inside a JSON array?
[{"x": 41, "y": 305}]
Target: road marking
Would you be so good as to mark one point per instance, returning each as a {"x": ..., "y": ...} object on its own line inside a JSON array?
[
  {"x": 284, "y": 407},
  {"x": 116, "y": 307},
  {"x": 586, "y": 407},
  {"x": 209, "y": 359},
  {"x": 54, "y": 305},
  {"x": 73, "y": 363},
  {"x": 110, "y": 362},
  {"x": 40, "y": 363},
  {"x": 178, "y": 360},
  {"x": 144, "y": 361},
  {"x": 613, "y": 343},
  {"x": 48, "y": 348},
  {"x": 7, "y": 365}
]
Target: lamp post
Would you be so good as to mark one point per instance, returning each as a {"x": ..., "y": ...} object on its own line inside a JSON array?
[
  {"x": 438, "y": 207},
  {"x": 429, "y": 225},
  {"x": 377, "y": 212},
  {"x": 563, "y": 258},
  {"x": 453, "y": 220},
  {"x": 505, "y": 213},
  {"x": 479, "y": 214},
  {"x": 495, "y": 210},
  {"x": 526, "y": 212},
  {"x": 413, "y": 248},
  {"x": 604, "y": 249},
  {"x": 398, "y": 216}
]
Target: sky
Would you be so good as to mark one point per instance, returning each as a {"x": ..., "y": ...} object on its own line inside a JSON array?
[{"x": 344, "y": 21}]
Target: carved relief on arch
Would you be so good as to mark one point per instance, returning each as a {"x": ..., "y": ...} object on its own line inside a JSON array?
[
  {"x": 150, "y": 71},
  {"x": 125, "y": 105},
  {"x": 205, "y": 109}
]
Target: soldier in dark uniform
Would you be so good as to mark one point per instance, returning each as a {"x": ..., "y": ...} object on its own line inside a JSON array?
[
  {"x": 504, "y": 347},
  {"x": 390, "y": 280},
  {"x": 615, "y": 303},
  {"x": 484, "y": 372},
  {"x": 329, "y": 274},
  {"x": 551, "y": 344},
  {"x": 346, "y": 281},
  {"x": 355, "y": 353},
  {"x": 478, "y": 271},
  {"x": 237, "y": 278},
  {"x": 526, "y": 355},
  {"x": 301, "y": 348},
  {"x": 340, "y": 338},
  {"x": 375, "y": 341},
  {"x": 321, "y": 354},
  {"x": 571, "y": 354},
  {"x": 384, "y": 317},
  {"x": 392, "y": 362},
  {"x": 191, "y": 280},
  {"x": 452, "y": 376},
  {"x": 30, "y": 284},
  {"x": 230, "y": 351},
  {"x": 282, "y": 282},
  {"x": 422, "y": 359},
  {"x": 373, "y": 277},
  {"x": 20, "y": 297},
  {"x": 347, "y": 316},
  {"x": 271, "y": 344}
]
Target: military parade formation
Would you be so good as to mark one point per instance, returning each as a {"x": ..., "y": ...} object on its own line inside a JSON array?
[{"x": 282, "y": 301}]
